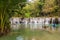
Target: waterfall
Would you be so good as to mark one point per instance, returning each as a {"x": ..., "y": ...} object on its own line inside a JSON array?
[{"x": 32, "y": 23}]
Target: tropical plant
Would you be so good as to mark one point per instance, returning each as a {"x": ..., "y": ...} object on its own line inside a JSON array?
[{"x": 7, "y": 11}]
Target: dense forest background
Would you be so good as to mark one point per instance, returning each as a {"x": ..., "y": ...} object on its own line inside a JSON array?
[{"x": 24, "y": 8}]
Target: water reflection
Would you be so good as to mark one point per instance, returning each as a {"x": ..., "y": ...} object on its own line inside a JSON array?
[{"x": 31, "y": 24}]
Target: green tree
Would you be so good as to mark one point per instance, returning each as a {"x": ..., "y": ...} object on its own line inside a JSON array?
[
  {"x": 49, "y": 6},
  {"x": 33, "y": 9},
  {"x": 7, "y": 10}
]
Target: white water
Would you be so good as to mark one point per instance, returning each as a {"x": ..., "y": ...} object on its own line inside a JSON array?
[{"x": 34, "y": 23}]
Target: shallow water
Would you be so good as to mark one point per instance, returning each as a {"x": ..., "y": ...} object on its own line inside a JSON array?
[
  {"x": 35, "y": 34},
  {"x": 30, "y": 26}
]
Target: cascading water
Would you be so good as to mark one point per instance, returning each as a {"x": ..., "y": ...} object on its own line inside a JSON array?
[{"x": 32, "y": 23}]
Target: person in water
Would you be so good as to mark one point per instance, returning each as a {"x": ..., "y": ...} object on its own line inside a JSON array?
[{"x": 55, "y": 23}]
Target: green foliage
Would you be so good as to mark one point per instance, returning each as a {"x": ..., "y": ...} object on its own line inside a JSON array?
[
  {"x": 27, "y": 14},
  {"x": 29, "y": 9},
  {"x": 7, "y": 8}
]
